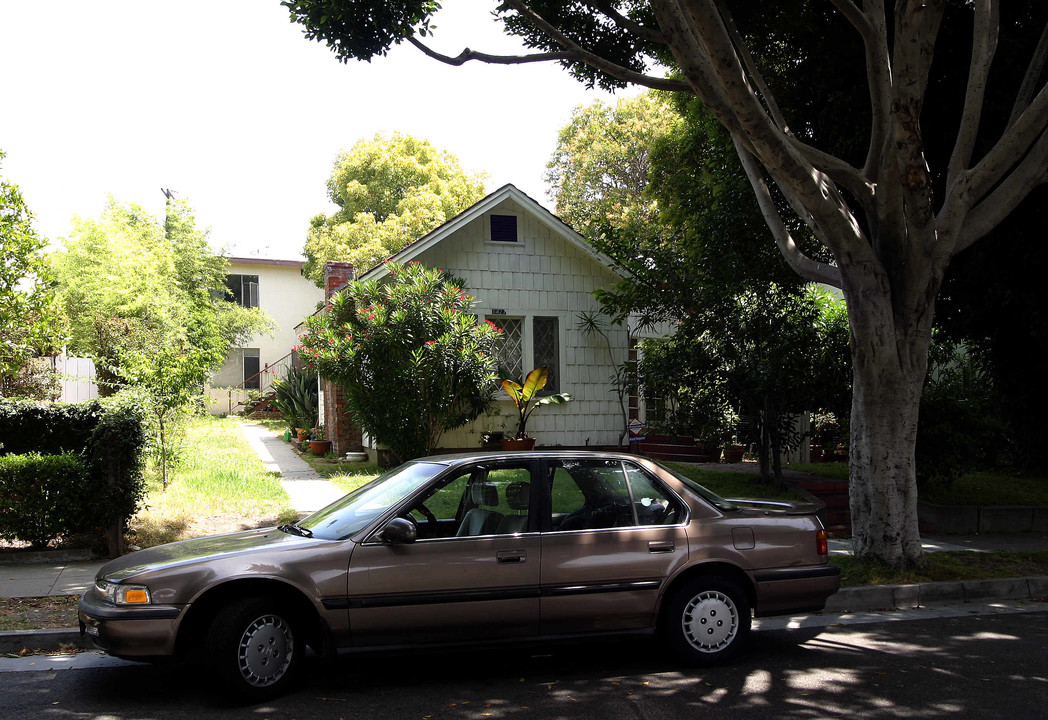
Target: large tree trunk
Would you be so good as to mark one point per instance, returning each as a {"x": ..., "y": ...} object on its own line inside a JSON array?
[{"x": 889, "y": 365}]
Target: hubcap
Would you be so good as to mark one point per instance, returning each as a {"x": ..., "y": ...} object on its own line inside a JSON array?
[
  {"x": 710, "y": 621},
  {"x": 265, "y": 651}
]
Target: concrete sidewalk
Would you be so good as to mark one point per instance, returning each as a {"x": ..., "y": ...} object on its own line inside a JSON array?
[{"x": 309, "y": 492}]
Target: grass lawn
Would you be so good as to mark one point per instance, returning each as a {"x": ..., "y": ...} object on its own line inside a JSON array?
[
  {"x": 731, "y": 484},
  {"x": 990, "y": 488},
  {"x": 219, "y": 485},
  {"x": 954, "y": 565},
  {"x": 977, "y": 488}
]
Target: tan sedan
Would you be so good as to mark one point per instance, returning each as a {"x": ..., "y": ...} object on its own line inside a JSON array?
[{"x": 465, "y": 549}]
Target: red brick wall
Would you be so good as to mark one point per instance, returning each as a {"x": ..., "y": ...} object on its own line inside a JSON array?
[{"x": 345, "y": 436}]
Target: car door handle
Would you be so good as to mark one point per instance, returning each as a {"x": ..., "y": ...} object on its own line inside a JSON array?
[
  {"x": 661, "y": 546},
  {"x": 511, "y": 556}
]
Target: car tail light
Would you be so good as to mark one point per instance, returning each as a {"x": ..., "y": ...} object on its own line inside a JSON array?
[{"x": 820, "y": 543}]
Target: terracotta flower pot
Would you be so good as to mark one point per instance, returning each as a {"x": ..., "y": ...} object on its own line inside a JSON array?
[
  {"x": 320, "y": 447},
  {"x": 514, "y": 444}
]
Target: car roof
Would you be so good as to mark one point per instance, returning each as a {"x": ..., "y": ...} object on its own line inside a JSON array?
[{"x": 467, "y": 457}]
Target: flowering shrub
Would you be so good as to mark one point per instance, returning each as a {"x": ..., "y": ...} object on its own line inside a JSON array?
[{"x": 413, "y": 360}]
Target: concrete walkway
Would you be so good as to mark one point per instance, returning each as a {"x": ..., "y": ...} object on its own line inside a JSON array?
[{"x": 309, "y": 492}]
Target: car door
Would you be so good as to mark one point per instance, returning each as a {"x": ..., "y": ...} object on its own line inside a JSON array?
[
  {"x": 612, "y": 534},
  {"x": 473, "y": 572}
]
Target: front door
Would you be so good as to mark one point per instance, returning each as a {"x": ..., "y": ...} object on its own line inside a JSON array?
[{"x": 472, "y": 574}]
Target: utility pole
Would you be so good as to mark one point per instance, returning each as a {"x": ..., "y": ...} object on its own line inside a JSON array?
[{"x": 170, "y": 195}]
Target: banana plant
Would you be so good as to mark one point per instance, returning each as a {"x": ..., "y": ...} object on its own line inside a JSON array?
[{"x": 525, "y": 397}]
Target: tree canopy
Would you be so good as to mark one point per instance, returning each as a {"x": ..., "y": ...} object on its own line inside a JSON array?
[
  {"x": 30, "y": 322},
  {"x": 891, "y": 213},
  {"x": 751, "y": 340},
  {"x": 390, "y": 192},
  {"x": 132, "y": 285}
]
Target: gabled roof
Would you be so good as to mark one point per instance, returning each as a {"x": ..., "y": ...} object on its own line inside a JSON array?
[{"x": 506, "y": 192}]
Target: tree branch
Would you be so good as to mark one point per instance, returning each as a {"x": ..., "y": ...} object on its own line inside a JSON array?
[
  {"x": 466, "y": 55},
  {"x": 984, "y": 217},
  {"x": 838, "y": 170},
  {"x": 1008, "y": 151},
  {"x": 795, "y": 258},
  {"x": 751, "y": 68},
  {"x": 644, "y": 32},
  {"x": 1033, "y": 73},
  {"x": 874, "y": 31},
  {"x": 580, "y": 54},
  {"x": 984, "y": 45}
]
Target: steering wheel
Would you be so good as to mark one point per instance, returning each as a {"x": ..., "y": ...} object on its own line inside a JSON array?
[{"x": 431, "y": 519}]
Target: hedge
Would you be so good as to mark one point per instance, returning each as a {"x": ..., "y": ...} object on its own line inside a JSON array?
[{"x": 70, "y": 468}]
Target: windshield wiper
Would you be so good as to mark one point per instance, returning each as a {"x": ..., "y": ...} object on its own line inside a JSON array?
[{"x": 293, "y": 529}]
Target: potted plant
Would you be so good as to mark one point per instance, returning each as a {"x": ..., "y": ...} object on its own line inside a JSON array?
[
  {"x": 525, "y": 398},
  {"x": 319, "y": 445}
]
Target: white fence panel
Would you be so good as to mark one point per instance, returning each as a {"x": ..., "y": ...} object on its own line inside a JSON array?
[{"x": 78, "y": 378}]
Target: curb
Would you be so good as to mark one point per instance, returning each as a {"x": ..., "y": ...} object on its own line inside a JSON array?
[
  {"x": 13, "y": 641},
  {"x": 892, "y": 597},
  {"x": 855, "y": 599}
]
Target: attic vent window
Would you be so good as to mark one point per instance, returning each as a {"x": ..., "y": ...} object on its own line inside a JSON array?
[{"x": 504, "y": 228}]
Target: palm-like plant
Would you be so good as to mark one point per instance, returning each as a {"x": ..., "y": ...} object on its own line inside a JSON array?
[
  {"x": 525, "y": 397},
  {"x": 297, "y": 398}
]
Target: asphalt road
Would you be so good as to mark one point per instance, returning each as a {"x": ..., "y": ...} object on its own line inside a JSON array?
[{"x": 987, "y": 665}]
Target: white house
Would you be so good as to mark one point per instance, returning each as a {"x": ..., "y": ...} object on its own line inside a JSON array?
[
  {"x": 533, "y": 276},
  {"x": 279, "y": 288}
]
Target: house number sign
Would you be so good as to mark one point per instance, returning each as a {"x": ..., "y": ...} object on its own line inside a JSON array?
[{"x": 498, "y": 311}]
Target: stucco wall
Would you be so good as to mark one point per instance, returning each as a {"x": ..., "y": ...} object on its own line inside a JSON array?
[{"x": 287, "y": 297}]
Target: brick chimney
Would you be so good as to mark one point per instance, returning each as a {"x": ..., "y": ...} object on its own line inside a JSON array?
[
  {"x": 341, "y": 430},
  {"x": 336, "y": 276}
]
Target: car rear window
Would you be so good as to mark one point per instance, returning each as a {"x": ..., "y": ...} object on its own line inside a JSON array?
[{"x": 705, "y": 493}]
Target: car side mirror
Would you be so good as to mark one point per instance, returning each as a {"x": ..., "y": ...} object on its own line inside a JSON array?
[{"x": 399, "y": 531}]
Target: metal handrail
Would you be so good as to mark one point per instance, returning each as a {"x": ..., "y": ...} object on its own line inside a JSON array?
[{"x": 266, "y": 376}]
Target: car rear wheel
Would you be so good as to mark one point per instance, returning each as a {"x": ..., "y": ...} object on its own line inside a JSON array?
[
  {"x": 255, "y": 647},
  {"x": 708, "y": 621}
]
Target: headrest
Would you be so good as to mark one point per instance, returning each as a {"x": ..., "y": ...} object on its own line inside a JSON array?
[
  {"x": 484, "y": 493},
  {"x": 517, "y": 495}
]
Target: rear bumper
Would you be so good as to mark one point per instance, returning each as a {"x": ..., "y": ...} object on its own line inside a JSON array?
[
  {"x": 139, "y": 632},
  {"x": 792, "y": 590}
]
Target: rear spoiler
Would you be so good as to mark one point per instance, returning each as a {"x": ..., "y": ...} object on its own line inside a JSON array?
[{"x": 783, "y": 506}]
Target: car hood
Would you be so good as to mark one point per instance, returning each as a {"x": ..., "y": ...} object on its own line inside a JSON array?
[{"x": 188, "y": 552}]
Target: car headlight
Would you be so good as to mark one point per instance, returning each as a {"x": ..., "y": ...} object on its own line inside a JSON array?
[{"x": 121, "y": 594}]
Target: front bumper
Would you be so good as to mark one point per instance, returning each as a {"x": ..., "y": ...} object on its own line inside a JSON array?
[{"x": 130, "y": 632}]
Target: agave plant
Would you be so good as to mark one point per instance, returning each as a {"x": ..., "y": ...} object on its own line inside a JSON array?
[
  {"x": 297, "y": 398},
  {"x": 525, "y": 397}
]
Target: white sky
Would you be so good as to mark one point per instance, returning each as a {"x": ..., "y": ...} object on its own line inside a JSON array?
[{"x": 226, "y": 102}]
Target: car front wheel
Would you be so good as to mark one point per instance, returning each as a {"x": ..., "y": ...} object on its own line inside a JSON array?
[
  {"x": 254, "y": 647},
  {"x": 708, "y": 621}
]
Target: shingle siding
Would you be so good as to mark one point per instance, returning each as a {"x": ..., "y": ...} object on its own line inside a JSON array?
[{"x": 542, "y": 274}]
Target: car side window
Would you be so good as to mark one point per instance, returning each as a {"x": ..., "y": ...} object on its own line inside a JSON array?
[
  {"x": 653, "y": 504},
  {"x": 589, "y": 495},
  {"x": 482, "y": 500}
]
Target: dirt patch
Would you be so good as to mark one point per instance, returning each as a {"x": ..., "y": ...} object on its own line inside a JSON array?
[{"x": 38, "y": 613}]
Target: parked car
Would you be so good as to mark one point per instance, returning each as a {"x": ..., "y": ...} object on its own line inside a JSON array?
[{"x": 470, "y": 548}]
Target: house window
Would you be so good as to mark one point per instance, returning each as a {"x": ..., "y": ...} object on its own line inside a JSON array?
[
  {"x": 546, "y": 332},
  {"x": 243, "y": 290},
  {"x": 504, "y": 228},
  {"x": 511, "y": 346},
  {"x": 252, "y": 367}
]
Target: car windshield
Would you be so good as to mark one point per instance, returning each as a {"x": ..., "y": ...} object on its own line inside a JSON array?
[
  {"x": 354, "y": 511},
  {"x": 706, "y": 494}
]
